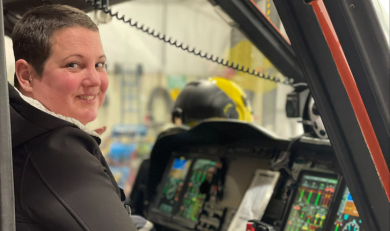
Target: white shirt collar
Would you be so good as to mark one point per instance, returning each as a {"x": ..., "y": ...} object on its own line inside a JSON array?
[{"x": 38, "y": 105}]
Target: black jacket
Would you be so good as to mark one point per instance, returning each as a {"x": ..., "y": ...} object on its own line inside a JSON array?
[{"x": 61, "y": 179}]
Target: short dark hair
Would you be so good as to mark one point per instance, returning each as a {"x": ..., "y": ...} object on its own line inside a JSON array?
[{"x": 32, "y": 34}]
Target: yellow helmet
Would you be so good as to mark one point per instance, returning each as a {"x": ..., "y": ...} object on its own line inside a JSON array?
[{"x": 213, "y": 98}]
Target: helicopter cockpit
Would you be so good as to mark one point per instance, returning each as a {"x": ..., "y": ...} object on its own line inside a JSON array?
[{"x": 329, "y": 173}]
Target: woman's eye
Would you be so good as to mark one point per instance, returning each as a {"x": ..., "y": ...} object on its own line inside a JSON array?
[
  {"x": 99, "y": 65},
  {"x": 72, "y": 65}
]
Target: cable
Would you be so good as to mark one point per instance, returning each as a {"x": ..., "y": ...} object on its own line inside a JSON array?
[
  {"x": 162, "y": 37},
  {"x": 282, "y": 162}
]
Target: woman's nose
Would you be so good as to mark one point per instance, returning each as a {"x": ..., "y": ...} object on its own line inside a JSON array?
[{"x": 92, "y": 78}]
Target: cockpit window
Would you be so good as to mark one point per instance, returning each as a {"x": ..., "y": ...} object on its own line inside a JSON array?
[
  {"x": 196, "y": 24},
  {"x": 382, "y": 11}
]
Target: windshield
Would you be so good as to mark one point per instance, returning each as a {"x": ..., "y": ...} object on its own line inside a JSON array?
[
  {"x": 169, "y": 69},
  {"x": 382, "y": 11}
]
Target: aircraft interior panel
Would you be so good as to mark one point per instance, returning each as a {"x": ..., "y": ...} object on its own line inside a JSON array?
[
  {"x": 238, "y": 178},
  {"x": 198, "y": 188}
]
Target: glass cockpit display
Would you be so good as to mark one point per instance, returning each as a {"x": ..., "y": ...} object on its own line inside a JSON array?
[
  {"x": 347, "y": 217},
  {"x": 193, "y": 200},
  {"x": 311, "y": 203},
  {"x": 174, "y": 184}
]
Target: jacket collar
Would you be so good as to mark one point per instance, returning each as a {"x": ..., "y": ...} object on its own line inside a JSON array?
[{"x": 29, "y": 118}]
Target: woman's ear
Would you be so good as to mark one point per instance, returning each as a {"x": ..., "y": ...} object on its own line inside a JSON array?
[{"x": 24, "y": 74}]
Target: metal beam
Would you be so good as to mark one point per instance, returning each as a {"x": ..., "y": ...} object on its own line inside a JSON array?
[
  {"x": 367, "y": 53},
  {"x": 264, "y": 36},
  {"x": 7, "y": 207},
  {"x": 336, "y": 111}
]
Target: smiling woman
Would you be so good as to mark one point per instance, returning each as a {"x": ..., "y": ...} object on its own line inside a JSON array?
[
  {"x": 61, "y": 179},
  {"x": 74, "y": 75}
]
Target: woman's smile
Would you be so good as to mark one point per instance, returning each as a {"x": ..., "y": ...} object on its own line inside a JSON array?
[{"x": 87, "y": 98}]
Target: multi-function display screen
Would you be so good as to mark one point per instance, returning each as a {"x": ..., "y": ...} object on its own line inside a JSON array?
[
  {"x": 347, "y": 217},
  {"x": 193, "y": 199},
  {"x": 181, "y": 194},
  {"x": 311, "y": 203},
  {"x": 174, "y": 184}
]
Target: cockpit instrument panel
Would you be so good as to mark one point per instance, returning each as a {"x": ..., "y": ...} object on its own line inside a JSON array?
[
  {"x": 347, "y": 216},
  {"x": 311, "y": 201}
]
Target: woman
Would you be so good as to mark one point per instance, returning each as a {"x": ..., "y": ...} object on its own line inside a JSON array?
[{"x": 61, "y": 179}]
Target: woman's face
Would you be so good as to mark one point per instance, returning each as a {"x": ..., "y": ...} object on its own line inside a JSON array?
[{"x": 74, "y": 80}]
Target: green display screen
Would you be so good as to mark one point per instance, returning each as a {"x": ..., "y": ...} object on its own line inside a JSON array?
[
  {"x": 174, "y": 184},
  {"x": 311, "y": 203},
  {"x": 193, "y": 200}
]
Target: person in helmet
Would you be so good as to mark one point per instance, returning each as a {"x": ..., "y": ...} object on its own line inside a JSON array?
[{"x": 212, "y": 98}]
